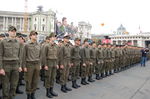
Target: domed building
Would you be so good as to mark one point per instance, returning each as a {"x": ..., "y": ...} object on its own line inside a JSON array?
[{"x": 121, "y": 30}]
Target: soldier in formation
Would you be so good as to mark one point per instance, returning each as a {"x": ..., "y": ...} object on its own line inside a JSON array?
[{"x": 58, "y": 60}]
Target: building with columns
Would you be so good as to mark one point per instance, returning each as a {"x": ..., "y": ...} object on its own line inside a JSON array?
[
  {"x": 121, "y": 30},
  {"x": 84, "y": 29},
  {"x": 135, "y": 40},
  {"x": 40, "y": 21},
  {"x": 140, "y": 40},
  {"x": 16, "y": 19}
]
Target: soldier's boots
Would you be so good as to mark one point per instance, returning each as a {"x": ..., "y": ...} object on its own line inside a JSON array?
[
  {"x": 29, "y": 96},
  {"x": 74, "y": 85},
  {"x": 90, "y": 79},
  {"x": 83, "y": 81},
  {"x": 63, "y": 89},
  {"x": 106, "y": 74},
  {"x": 33, "y": 95},
  {"x": 18, "y": 91},
  {"x": 48, "y": 94},
  {"x": 77, "y": 85},
  {"x": 52, "y": 92},
  {"x": 115, "y": 70},
  {"x": 98, "y": 77},
  {"x": 67, "y": 88},
  {"x": 110, "y": 72},
  {"x": 102, "y": 75}
]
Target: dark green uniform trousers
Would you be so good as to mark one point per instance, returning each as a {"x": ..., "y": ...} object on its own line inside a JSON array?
[
  {"x": 92, "y": 67},
  {"x": 10, "y": 80},
  {"x": 64, "y": 73},
  {"x": 32, "y": 77},
  {"x": 104, "y": 66},
  {"x": 101, "y": 67},
  {"x": 107, "y": 65},
  {"x": 50, "y": 74},
  {"x": 75, "y": 70},
  {"x": 85, "y": 69}
]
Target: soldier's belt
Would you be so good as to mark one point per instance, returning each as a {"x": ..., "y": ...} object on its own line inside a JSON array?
[
  {"x": 33, "y": 62},
  {"x": 10, "y": 61}
]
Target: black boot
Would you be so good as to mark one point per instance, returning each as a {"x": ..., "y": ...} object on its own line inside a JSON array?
[
  {"x": 118, "y": 70},
  {"x": 77, "y": 84},
  {"x": 97, "y": 77},
  {"x": 86, "y": 81},
  {"x": 106, "y": 74},
  {"x": 90, "y": 79},
  {"x": 67, "y": 88},
  {"x": 102, "y": 75},
  {"x": 48, "y": 94},
  {"x": 18, "y": 91},
  {"x": 63, "y": 89},
  {"x": 83, "y": 81},
  {"x": 74, "y": 85},
  {"x": 33, "y": 95},
  {"x": 29, "y": 96},
  {"x": 110, "y": 72},
  {"x": 52, "y": 92},
  {"x": 115, "y": 70}
]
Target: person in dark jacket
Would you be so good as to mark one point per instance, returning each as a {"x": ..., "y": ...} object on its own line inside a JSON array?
[{"x": 144, "y": 52}]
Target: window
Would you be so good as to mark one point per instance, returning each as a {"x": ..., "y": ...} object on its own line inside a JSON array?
[
  {"x": 35, "y": 19},
  {"x": 18, "y": 27},
  {"x": 114, "y": 42},
  {"x": 135, "y": 43},
  {"x": 34, "y": 26},
  {"x": 43, "y": 20},
  {"x": 43, "y": 27},
  {"x": 1, "y": 27}
]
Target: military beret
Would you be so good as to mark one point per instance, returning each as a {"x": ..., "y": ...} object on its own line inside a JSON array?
[
  {"x": 86, "y": 40},
  {"x": 12, "y": 28},
  {"x": 60, "y": 41},
  {"x": 77, "y": 39},
  {"x": 33, "y": 33},
  {"x": 47, "y": 37},
  {"x": 52, "y": 35},
  {"x": 67, "y": 37},
  {"x": 2, "y": 35}
]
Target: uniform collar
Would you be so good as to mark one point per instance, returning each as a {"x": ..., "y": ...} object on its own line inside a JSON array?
[
  {"x": 32, "y": 42},
  {"x": 11, "y": 40},
  {"x": 66, "y": 44},
  {"x": 52, "y": 44}
]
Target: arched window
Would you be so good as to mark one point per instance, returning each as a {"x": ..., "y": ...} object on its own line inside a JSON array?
[
  {"x": 43, "y": 28},
  {"x": 35, "y": 27}
]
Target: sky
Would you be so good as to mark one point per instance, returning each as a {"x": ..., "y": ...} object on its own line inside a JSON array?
[{"x": 131, "y": 13}]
